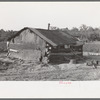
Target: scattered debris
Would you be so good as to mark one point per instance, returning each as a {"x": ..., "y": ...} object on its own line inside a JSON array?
[{"x": 17, "y": 69}]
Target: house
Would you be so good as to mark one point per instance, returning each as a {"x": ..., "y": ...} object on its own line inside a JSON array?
[{"x": 37, "y": 44}]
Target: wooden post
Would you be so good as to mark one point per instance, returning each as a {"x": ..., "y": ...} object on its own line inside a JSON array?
[
  {"x": 8, "y": 48},
  {"x": 71, "y": 61}
]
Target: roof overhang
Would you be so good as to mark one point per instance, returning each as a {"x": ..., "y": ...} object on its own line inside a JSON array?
[{"x": 42, "y": 36}]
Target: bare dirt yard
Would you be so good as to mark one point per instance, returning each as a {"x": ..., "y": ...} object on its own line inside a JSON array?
[{"x": 19, "y": 70}]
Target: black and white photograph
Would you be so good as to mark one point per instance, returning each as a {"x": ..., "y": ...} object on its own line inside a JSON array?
[
  {"x": 50, "y": 41},
  {"x": 49, "y": 49}
]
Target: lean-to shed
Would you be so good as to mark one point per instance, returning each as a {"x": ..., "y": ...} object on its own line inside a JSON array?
[{"x": 35, "y": 44}]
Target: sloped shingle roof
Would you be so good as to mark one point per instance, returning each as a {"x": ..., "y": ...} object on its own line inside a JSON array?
[
  {"x": 54, "y": 37},
  {"x": 58, "y": 37}
]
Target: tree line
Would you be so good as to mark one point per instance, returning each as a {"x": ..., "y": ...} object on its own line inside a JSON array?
[
  {"x": 4, "y": 35},
  {"x": 84, "y": 33}
]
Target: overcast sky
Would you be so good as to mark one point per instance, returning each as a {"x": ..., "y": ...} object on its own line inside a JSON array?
[{"x": 16, "y": 15}]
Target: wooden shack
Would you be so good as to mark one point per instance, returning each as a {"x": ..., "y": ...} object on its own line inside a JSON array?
[{"x": 37, "y": 44}]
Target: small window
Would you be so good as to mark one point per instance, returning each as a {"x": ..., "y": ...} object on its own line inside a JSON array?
[
  {"x": 67, "y": 46},
  {"x": 47, "y": 44},
  {"x": 50, "y": 48}
]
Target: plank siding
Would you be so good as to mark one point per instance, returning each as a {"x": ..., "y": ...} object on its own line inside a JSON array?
[{"x": 29, "y": 46}]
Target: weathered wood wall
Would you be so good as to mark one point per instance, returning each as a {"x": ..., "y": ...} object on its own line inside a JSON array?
[
  {"x": 27, "y": 44},
  {"x": 30, "y": 46}
]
